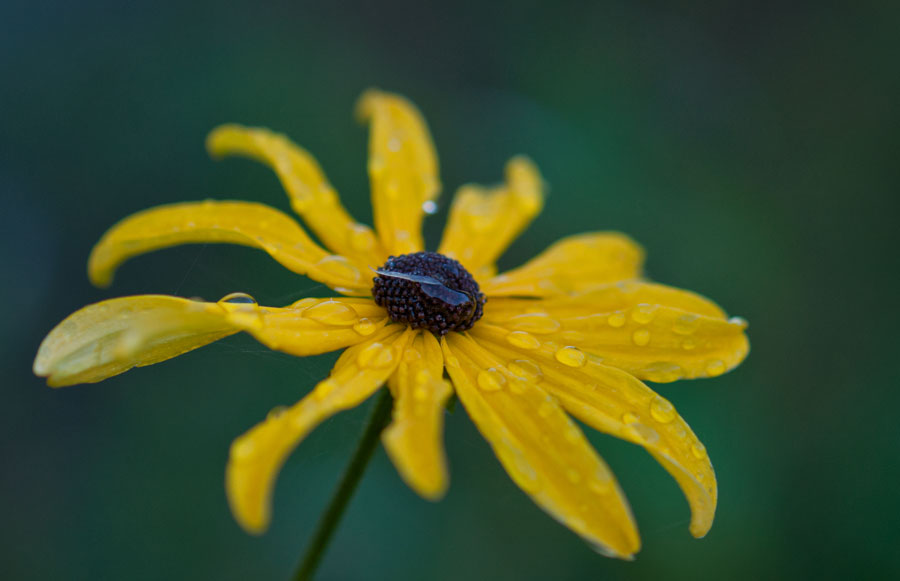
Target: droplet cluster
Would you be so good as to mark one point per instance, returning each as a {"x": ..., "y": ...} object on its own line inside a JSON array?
[{"x": 406, "y": 302}]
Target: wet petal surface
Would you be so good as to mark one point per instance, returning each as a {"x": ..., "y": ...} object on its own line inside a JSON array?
[
  {"x": 414, "y": 439},
  {"x": 540, "y": 447},
  {"x": 403, "y": 169}
]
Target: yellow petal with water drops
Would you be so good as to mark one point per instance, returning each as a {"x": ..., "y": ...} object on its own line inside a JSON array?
[
  {"x": 608, "y": 298},
  {"x": 616, "y": 403},
  {"x": 540, "y": 447},
  {"x": 403, "y": 169},
  {"x": 310, "y": 193},
  {"x": 575, "y": 264},
  {"x": 111, "y": 337},
  {"x": 257, "y": 456},
  {"x": 483, "y": 222},
  {"x": 310, "y": 326},
  {"x": 243, "y": 223},
  {"x": 653, "y": 342},
  {"x": 414, "y": 439}
]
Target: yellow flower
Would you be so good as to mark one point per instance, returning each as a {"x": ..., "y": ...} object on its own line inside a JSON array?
[{"x": 573, "y": 331}]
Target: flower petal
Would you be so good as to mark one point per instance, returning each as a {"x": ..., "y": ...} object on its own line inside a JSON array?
[
  {"x": 651, "y": 341},
  {"x": 111, "y": 337},
  {"x": 312, "y": 326},
  {"x": 483, "y": 222},
  {"x": 242, "y": 223},
  {"x": 606, "y": 299},
  {"x": 403, "y": 169},
  {"x": 575, "y": 264},
  {"x": 616, "y": 403},
  {"x": 257, "y": 456},
  {"x": 311, "y": 195},
  {"x": 543, "y": 451},
  {"x": 414, "y": 438}
]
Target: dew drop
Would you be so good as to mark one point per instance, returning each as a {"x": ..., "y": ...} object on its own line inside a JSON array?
[
  {"x": 599, "y": 486},
  {"x": 571, "y": 356},
  {"x": 332, "y": 313},
  {"x": 243, "y": 449},
  {"x": 451, "y": 361},
  {"x": 490, "y": 379},
  {"x": 364, "y": 326},
  {"x": 641, "y": 337},
  {"x": 539, "y": 323},
  {"x": 238, "y": 299},
  {"x": 715, "y": 367},
  {"x": 340, "y": 267},
  {"x": 616, "y": 320},
  {"x": 740, "y": 321},
  {"x": 523, "y": 340},
  {"x": 526, "y": 369},
  {"x": 420, "y": 393},
  {"x": 430, "y": 207},
  {"x": 629, "y": 418},
  {"x": 375, "y": 356},
  {"x": 276, "y": 412},
  {"x": 698, "y": 450},
  {"x": 686, "y": 324},
  {"x": 662, "y": 410},
  {"x": 546, "y": 409},
  {"x": 394, "y": 144},
  {"x": 376, "y": 165},
  {"x": 688, "y": 344},
  {"x": 325, "y": 388},
  {"x": 361, "y": 237},
  {"x": 663, "y": 372},
  {"x": 645, "y": 433},
  {"x": 644, "y": 313}
]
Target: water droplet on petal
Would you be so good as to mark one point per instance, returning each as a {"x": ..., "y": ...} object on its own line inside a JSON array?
[
  {"x": 340, "y": 267},
  {"x": 616, "y": 320},
  {"x": 325, "y": 388},
  {"x": 375, "y": 356},
  {"x": 644, "y": 313},
  {"x": 539, "y": 323},
  {"x": 546, "y": 409},
  {"x": 523, "y": 340},
  {"x": 376, "y": 165},
  {"x": 662, "y": 410},
  {"x": 243, "y": 449},
  {"x": 276, "y": 412},
  {"x": 641, "y": 337},
  {"x": 332, "y": 313},
  {"x": 662, "y": 372},
  {"x": 715, "y": 367},
  {"x": 364, "y": 326},
  {"x": 686, "y": 324},
  {"x": 430, "y": 207},
  {"x": 526, "y": 369},
  {"x": 698, "y": 450},
  {"x": 688, "y": 344},
  {"x": 451, "y": 361},
  {"x": 361, "y": 237},
  {"x": 571, "y": 356},
  {"x": 629, "y": 418},
  {"x": 238, "y": 299},
  {"x": 491, "y": 379},
  {"x": 741, "y": 321},
  {"x": 645, "y": 433}
]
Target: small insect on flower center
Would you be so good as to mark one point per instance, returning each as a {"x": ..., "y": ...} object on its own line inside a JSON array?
[{"x": 430, "y": 291}]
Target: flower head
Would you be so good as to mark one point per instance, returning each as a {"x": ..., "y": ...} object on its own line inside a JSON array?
[{"x": 571, "y": 332}]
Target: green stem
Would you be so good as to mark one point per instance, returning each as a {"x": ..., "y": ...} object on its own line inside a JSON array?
[{"x": 378, "y": 419}]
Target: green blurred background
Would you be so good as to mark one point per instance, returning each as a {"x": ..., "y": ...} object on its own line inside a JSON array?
[{"x": 751, "y": 147}]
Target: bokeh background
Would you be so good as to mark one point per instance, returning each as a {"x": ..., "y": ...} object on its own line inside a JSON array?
[{"x": 751, "y": 147}]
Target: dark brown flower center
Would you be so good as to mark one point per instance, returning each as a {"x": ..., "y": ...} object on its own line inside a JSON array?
[{"x": 430, "y": 291}]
